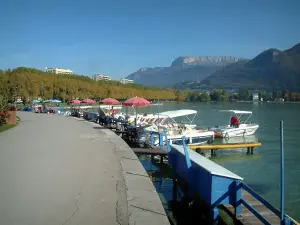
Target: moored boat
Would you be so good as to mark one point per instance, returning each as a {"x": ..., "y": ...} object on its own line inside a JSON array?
[{"x": 243, "y": 127}]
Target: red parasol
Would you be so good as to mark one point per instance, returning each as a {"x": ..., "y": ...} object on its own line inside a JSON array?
[
  {"x": 75, "y": 101},
  {"x": 136, "y": 101},
  {"x": 88, "y": 101},
  {"x": 110, "y": 101}
]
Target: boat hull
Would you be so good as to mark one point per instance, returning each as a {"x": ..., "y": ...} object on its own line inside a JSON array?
[
  {"x": 191, "y": 139},
  {"x": 235, "y": 132}
]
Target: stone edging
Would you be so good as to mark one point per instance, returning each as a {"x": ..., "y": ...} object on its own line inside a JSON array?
[{"x": 138, "y": 202}]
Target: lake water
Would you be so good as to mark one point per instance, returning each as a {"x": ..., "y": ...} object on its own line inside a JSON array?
[{"x": 262, "y": 170}]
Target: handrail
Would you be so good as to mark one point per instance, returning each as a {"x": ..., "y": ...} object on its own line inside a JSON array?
[
  {"x": 260, "y": 199},
  {"x": 255, "y": 213},
  {"x": 287, "y": 219}
]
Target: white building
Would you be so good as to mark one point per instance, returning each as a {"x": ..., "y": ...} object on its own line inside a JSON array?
[
  {"x": 255, "y": 97},
  {"x": 126, "y": 81},
  {"x": 97, "y": 77},
  {"x": 58, "y": 71}
]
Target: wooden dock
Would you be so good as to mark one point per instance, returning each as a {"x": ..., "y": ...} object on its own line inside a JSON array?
[
  {"x": 213, "y": 147},
  {"x": 156, "y": 151},
  {"x": 150, "y": 151}
]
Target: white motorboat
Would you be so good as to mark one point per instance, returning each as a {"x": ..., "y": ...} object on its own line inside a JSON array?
[
  {"x": 245, "y": 128},
  {"x": 174, "y": 127}
]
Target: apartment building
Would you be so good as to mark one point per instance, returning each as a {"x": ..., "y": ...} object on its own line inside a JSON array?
[
  {"x": 97, "y": 77},
  {"x": 126, "y": 81},
  {"x": 58, "y": 71}
]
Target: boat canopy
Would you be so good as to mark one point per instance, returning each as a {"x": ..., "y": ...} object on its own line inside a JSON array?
[
  {"x": 240, "y": 114},
  {"x": 237, "y": 111},
  {"x": 178, "y": 113}
]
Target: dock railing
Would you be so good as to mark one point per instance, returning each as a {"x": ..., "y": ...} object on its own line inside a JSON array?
[
  {"x": 284, "y": 219},
  {"x": 162, "y": 139}
]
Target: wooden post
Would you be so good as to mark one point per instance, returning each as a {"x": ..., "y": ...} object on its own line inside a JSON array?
[
  {"x": 161, "y": 159},
  {"x": 174, "y": 189},
  {"x": 248, "y": 150},
  {"x": 152, "y": 157},
  {"x": 251, "y": 150},
  {"x": 211, "y": 153}
]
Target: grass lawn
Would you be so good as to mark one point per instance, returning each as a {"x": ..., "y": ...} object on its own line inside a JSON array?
[{"x": 4, "y": 127}]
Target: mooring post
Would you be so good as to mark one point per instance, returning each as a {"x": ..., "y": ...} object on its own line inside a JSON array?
[
  {"x": 251, "y": 150},
  {"x": 161, "y": 142},
  {"x": 248, "y": 150},
  {"x": 281, "y": 174},
  {"x": 168, "y": 144},
  {"x": 174, "y": 189},
  {"x": 152, "y": 139}
]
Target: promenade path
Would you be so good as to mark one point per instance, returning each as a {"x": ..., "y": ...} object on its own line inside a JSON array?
[{"x": 61, "y": 170}]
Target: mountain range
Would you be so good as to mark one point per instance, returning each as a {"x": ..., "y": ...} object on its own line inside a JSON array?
[
  {"x": 182, "y": 69},
  {"x": 271, "y": 69}
]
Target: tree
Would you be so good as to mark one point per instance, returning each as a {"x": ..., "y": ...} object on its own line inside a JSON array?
[
  {"x": 243, "y": 94},
  {"x": 219, "y": 95},
  {"x": 204, "y": 97},
  {"x": 286, "y": 95}
]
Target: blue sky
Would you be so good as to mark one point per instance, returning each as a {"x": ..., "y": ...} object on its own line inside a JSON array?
[{"x": 118, "y": 37}]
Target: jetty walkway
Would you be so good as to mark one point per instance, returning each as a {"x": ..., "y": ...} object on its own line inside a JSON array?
[{"x": 61, "y": 170}]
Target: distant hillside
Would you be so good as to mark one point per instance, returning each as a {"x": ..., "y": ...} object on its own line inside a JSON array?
[
  {"x": 270, "y": 69},
  {"x": 182, "y": 69},
  {"x": 32, "y": 83}
]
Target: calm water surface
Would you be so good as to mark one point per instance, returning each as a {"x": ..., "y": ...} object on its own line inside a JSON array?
[{"x": 262, "y": 170}]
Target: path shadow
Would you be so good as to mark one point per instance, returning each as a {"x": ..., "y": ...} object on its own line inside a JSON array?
[{"x": 100, "y": 128}]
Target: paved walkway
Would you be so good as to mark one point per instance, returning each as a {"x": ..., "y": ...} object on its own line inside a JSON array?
[{"x": 61, "y": 170}]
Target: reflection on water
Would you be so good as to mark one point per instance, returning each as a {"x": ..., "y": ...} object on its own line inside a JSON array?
[
  {"x": 232, "y": 140},
  {"x": 179, "y": 209}
]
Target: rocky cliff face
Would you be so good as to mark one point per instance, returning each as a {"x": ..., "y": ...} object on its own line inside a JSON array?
[
  {"x": 183, "y": 68},
  {"x": 204, "y": 60}
]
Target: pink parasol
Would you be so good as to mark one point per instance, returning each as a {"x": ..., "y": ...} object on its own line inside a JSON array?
[
  {"x": 75, "y": 101},
  {"x": 136, "y": 101},
  {"x": 88, "y": 101},
  {"x": 110, "y": 101}
]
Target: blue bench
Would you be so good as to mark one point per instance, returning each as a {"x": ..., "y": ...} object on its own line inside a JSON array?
[{"x": 215, "y": 184}]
